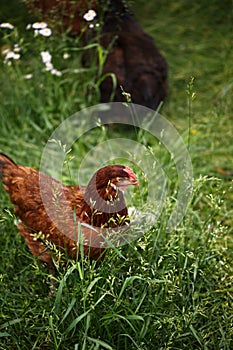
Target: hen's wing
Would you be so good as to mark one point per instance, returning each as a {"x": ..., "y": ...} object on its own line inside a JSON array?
[{"x": 46, "y": 246}]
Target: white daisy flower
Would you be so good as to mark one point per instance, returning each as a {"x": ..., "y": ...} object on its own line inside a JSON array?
[
  {"x": 56, "y": 72},
  {"x": 9, "y": 54},
  {"x": 16, "y": 48},
  {"x": 48, "y": 66},
  {"x": 4, "y": 51},
  {"x": 16, "y": 56},
  {"x": 46, "y": 56},
  {"x": 6, "y": 25},
  {"x": 47, "y": 60},
  {"x": 66, "y": 56},
  {"x": 89, "y": 16},
  {"x": 39, "y": 25},
  {"x": 28, "y": 76},
  {"x": 45, "y": 32}
]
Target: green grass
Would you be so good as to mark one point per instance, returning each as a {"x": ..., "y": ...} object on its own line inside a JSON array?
[{"x": 167, "y": 290}]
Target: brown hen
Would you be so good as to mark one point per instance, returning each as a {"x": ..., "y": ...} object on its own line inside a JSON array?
[
  {"x": 50, "y": 212},
  {"x": 139, "y": 67}
]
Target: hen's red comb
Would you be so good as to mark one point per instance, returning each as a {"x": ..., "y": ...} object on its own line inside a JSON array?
[{"x": 131, "y": 174}]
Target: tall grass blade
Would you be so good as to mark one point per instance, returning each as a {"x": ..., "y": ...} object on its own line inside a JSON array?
[{"x": 101, "y": 343}]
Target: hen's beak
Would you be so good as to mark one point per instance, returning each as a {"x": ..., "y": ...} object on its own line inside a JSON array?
[
  {"x": 134, "y": 182},
  {"x": 124, "y": 182}
]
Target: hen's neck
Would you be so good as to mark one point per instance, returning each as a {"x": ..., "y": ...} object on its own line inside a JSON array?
[{"x": 104, "y": 207}]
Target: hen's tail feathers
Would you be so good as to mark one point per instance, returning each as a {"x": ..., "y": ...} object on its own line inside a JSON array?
[
  {"x": 5, "y": 160},
  {"x": 7, "y": 166}
]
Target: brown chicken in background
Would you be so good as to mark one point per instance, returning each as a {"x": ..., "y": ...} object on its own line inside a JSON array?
[
  {"x": 140, "y": 69},
  {"x": 49, "y": 211}
]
